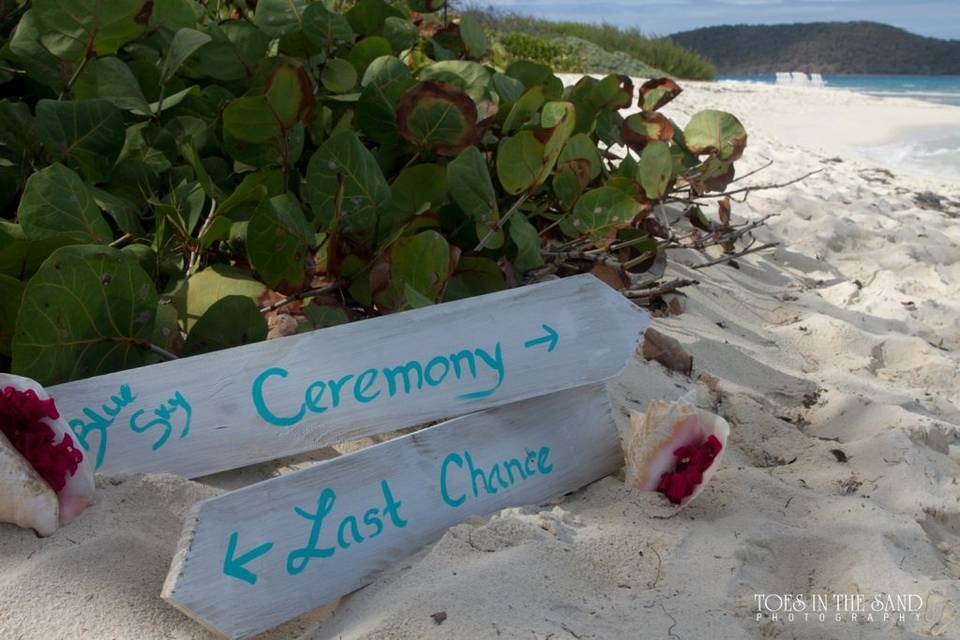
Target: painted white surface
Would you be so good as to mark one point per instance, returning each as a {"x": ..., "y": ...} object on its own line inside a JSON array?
[
  {"x": 575, "y": 425},
  {"x": 146, "y": 409}
]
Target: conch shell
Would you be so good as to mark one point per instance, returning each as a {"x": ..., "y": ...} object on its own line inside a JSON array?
[
  {"x": 25, "y": 497},
  {"x": 657, "y": 434}
]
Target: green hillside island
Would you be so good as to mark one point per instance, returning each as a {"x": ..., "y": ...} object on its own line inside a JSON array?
[
  {"x": 575, "y": 47},
  {"x": 822, "y": 47}
]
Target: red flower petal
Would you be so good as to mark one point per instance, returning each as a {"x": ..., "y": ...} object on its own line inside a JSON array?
[
  {"x": 21, "y": 420},
  {"x": 692, "y": 461}
]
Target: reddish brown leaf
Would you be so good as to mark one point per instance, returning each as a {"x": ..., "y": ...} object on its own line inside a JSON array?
[
  {"x": 646, "y": 126},
  {"x": 657, "y": 92},
  {"x": 415, "y": 105},
  {"x": 724, "y": 211},
  {"x": 612, "y": 277}
]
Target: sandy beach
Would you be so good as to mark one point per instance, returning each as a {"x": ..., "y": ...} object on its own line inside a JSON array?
[{"x": 838, "y": 355}]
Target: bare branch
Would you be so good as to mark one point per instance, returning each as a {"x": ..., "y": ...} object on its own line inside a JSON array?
[
  {"x": 760, "y": 187},
  {"x": 754, "y": 172},
  {"x": 194, "y": 261},
  {"x": 503, "y": 221},
  {"x": 300, "y": 295},
  {"x": 733, "y": 256},
  {"x": 666, "y": 287}
]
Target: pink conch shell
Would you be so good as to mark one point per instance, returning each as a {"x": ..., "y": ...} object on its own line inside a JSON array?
[
  {"x": 658, "y": 432},
  {"x": 25, "y": 498}
]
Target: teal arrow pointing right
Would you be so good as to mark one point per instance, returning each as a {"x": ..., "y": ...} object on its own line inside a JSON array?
[{"x": 551, "y": 339}]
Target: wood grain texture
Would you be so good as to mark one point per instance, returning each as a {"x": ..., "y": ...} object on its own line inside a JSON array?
[
  {"x": 575, "y": 425},
  {"x": 196, "y": 416}
]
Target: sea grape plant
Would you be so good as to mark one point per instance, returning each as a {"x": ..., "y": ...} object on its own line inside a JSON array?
[{"x": 175, "y": 173}]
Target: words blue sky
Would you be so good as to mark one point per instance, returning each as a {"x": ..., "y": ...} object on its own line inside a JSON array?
[{"x": 937, "y": 18}]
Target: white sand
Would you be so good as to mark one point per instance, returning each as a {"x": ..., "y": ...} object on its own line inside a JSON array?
[{"x": 845, "y": 337}]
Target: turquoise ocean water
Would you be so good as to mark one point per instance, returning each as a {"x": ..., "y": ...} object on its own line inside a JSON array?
[{"x": 935, "y": 154}]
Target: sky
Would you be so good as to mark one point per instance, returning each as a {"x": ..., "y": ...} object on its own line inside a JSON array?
[{"x": 935, "y": 18}]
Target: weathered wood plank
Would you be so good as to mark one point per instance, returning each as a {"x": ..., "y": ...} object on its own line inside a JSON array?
[
  {"x": 239, "y": 406},
  {"x": 251, "y": 559}
]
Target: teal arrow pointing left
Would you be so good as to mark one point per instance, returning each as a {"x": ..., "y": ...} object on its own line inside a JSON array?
[{"x": 233, "y": 566}]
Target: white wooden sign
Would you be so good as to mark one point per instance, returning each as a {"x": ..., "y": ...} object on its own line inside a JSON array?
[
  {"x": 239, "y": 406},
  {"x": 254, "y": 558}
]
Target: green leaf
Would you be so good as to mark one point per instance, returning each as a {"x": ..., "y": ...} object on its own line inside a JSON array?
[
  {"x": 418, "y": 188},
  {"x": 426, "y": 6},
  {"x": 236, "y": 49},
  {"x": 214, "y": 283},
  {"x": 365, "y": 190},
  {"x": 289, "y": 94},
  {"x": 567, "y": 183},
  {"x": 475, "y": 276},
  {"x": 175, "y": 14},
  {"x": 367, "y": 50},
  {"x": 525, "y": 109},
  {"x": 57, "y": 204},
  {"x": 281, "y": 150},
  {"x": 184, "y": 44},
  {"x": 11, "y": 292},
  {"x": 557, "y": 122},
  {"x": 581, "y": 147},
  {"x": 472, "y": 188},
  {"x": 599, "y": 212},
  {"x": 325, "y": 28},
  {"x": 472, "y": 77},
  {"x": 89, "y": 310},
  {"x": 385, "y": 82},
  {"x": 338, "y": 76},
  {"x": 251, "y": 119},
  {"x": 71, "y": 28},
  {"x": 612, "y": 92},
  {"x": 525, "y": 236},
  {"x": 367, "y": 16},
  {"x": 717, "y": 133},
  {"x": 20, "y": 257},
  {"x": 655, "y": 169},
  {"x": 509, "y": 89},
  {"x": 31, "y": 56},
  {"x": 520, "y": 162},
  {"x": 267, "y": 119},
  {"x": 474, "y": 38},
  {"x": 253, "y": 188},
  {"x": 279, "y": 17},
  {"x": 17, "y": 134},
  {"x": 414, "y": 299},
  {"x": 230, "y": 322},
  {"x": 116, "y": 83},
  {"x": 420, "y": 262},
  {"x": 325, "y": 315},
  {"x": 86, "y": 133},
  {"x": 124, "y": 212},
  {"x": 168, "y": 101},
  {"x": 278, "y": 241},
  {"x": 439, "y": 117},
  {"x": 400, "y": 33}
]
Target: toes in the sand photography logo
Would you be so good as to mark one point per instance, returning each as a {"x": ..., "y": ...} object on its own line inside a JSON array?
[{"x": 889, "y": 608}]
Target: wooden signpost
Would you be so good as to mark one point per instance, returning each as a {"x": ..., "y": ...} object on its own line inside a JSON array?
[
  {"x": 262, "y": 555},
  {"x": 521, "y": 366},
  {"x": 239, "y": 406}
]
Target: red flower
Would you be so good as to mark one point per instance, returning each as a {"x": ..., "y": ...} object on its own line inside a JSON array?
[
  {"x": 692, "y": 461},
  {"x": 21, "y": 420}
]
